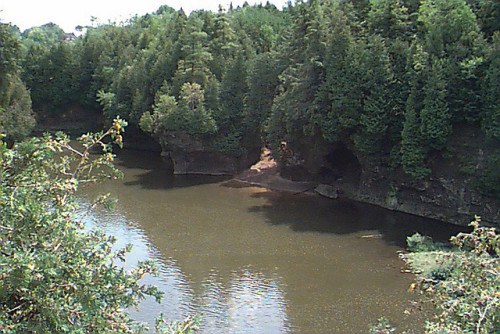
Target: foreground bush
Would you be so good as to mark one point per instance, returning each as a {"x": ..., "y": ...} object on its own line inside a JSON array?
[
  {"x": 463, "y": 282},
  {"x": 54, "y": 277}
]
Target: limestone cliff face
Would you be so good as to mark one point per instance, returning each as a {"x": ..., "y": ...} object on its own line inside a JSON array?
[
  {"x": 340, "y": 171},
  {"x": 190, "y": 155},
  {"x": 450, "y": 199}
]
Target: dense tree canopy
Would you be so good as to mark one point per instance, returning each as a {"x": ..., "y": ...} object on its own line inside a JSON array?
[
  {"x": 16, "y": 118},
  {"x": 391, "y": 79},
  {"x": 404, "y": 83}
]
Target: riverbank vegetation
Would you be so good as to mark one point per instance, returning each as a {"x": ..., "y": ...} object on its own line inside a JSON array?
[
  {"x": 397, "y": 81},
  {"x": 463, "y": 281},
  {"x": 54, "y": 276},
  {"x": 405, "y": 83}
]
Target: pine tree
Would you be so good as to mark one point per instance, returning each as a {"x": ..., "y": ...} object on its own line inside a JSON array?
[
  {"x": 301, "y": 80},
  {"x": 450, "y": 32},
  {"x": 413, "y": 152},
  {"x": 224, "y": 43},
  {"x": 435, "y": 125},
  {"x": 334, "y": 94},
  {"x": 389, "y": 19},
  {"x": 229, "y": 116},
  {"x": 377, "y": 105},
  {"x": 194, "y": 64},
  {"x": 262, "y": 82},
  {"x": 491, "y": 92}
]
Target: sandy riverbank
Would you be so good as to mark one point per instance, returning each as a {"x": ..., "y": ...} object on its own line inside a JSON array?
[{"x": 265, "y": 174}]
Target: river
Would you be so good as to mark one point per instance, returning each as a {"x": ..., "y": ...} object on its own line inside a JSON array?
[{"x": 250, "y": 260}]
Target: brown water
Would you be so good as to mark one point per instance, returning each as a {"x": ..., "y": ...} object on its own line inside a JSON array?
[{"x": 249, "y": 260}]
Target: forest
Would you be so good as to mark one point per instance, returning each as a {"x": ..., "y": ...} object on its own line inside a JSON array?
[
  {"x": 406, "y": 91},
  {"x": 396, "y": 81}
]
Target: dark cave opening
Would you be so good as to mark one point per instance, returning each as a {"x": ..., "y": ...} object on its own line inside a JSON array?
[{"x": 340, "y": 165}]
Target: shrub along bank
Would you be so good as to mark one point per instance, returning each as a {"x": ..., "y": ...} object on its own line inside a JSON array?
[
  {"x": 54, "y": 276},
  {"x": 463, "y": 281}
]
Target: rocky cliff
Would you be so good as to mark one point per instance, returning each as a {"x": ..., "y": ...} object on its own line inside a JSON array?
[
  {"x": 339, "y": 171},
  {"x": 449, "y": 194},
  {"x": 190, "y": 155}
]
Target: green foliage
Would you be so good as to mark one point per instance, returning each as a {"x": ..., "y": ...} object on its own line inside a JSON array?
[
  {"x": 16, "y": 117},
  {"x": 186, "y": 326},
  {"x": 487, "y": 13},
  {"x": 231, "y": 112},
  {"x": 450, "y": 32},
  {"x": 372, "y": 77},
  {"x": 382, "y": 327},
  {"x": 413, "y": 153},
  {"x": 10, "y": 52},
  {"x": 262, "y": 82},
  {"x": 42, "y": 36},
  {"x": 427, "y": 124},
  {"x": 262, "y": 25},
  {"x": 463, "y": 282},
  {"x": 389, "y": 19},
  {"x": 188, "y": 114},
  {"x": 390, "y": 79},
  {"x": 420, "y": 243},
  {"x": 193, "y": 67},
  {"x": 107, "y": 101},
  {"x": 56, "y": 278},
  {"x": 435, "y": 126},
  {"x": 293, "y": 118},
  {"x": 49, "y": 68},
  {"x": 491, "y": 92},
  {"x": 489, "y": 178}
]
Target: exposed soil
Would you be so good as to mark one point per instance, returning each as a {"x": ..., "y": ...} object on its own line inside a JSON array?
[{"x": 265, "y": 174}]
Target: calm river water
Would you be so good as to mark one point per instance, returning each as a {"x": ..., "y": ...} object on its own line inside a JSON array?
[{"x": 249, "y": 260}]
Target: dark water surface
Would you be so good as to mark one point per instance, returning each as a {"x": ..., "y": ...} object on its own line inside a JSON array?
[{"x": 249, "y": 260}]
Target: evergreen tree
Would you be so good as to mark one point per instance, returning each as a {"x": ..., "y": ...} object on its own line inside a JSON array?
[
  {"x": 16, "y": 116},
  {"x": 229, "y": 116},
  {"x": 224, "y": 43},
  {"x": 491, "y": 92},
  {"x": 413, "y": 153},
  {"x": 488, "y": 15},
  {"x": 262, "y": 82},
  {"x": 377, "y": 105},
  {"x": 435, "y": 125},
  {"x": 334, "y": 94},
  {"x": 194, "y": 64},
  {"x": 450, "y": 32},
  {"x": 389, "y": 19},
  {"x": 294, "y": 107}
]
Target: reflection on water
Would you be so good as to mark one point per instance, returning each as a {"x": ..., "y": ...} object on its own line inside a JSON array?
[
  {"x": 250, "y": 303},
  {"x": 248, "y": 260}
]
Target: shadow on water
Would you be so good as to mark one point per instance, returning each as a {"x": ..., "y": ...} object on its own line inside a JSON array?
[
  {"x": 147, "y": 170},
  {"x": 156, "y": 173},
  {"x": 347, "y": 217}
]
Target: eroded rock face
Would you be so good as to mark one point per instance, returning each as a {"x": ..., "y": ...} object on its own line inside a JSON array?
[
  {"x": 192, "y": 156},
  {"x": 450, "y": 199},
  {"x": 446, "y": 195}
]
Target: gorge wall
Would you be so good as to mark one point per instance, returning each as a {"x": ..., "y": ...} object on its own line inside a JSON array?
[
  {"x": 448, "y": 194},
  {"x": 190, "y": 155}
]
